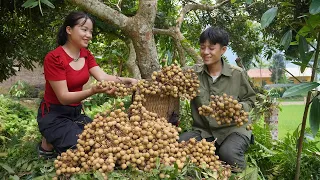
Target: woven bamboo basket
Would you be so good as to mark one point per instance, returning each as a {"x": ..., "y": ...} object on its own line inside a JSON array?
[
  {"x": 167, "y": 107},
  {"x": 163, "y": 106}
]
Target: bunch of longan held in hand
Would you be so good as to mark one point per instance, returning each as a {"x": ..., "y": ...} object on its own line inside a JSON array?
[
  {"x": 225, "y": 110},
  {"x": 116, "y": 139},
  {"x": 170, "y": 81},
  {"x": 121, "y": 89}
]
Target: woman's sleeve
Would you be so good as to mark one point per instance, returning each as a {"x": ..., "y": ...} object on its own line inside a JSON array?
[
  {"x": 91, "y": 60},
  {"x": 54, "y": 69}
]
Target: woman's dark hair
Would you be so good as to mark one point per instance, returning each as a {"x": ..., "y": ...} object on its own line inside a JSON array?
[
  {"x": 215, "y": 35},
  {"x": 71, "y": 20}
]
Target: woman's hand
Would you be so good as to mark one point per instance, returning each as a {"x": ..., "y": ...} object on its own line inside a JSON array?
[
  {"x": 99, "y": 89},
  {"x": 130, "y": 81}
]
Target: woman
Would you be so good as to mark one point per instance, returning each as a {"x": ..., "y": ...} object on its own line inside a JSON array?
[{"x": 67, "y": 68}]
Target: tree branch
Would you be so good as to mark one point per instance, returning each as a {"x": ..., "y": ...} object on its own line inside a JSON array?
[
  {"x": 148, "y": 8},
  {"x": 181, "y": 52},
  {"x": 119, "y": 5},
  {"x": 189, "y": 7},
  {"x": 131, "y": 62},
  {"x": 168, "y": 32},
  {"x": 292, "y": 75},
  {"x": 190, "y": 50},
  {"x": 103, "y": 11}
]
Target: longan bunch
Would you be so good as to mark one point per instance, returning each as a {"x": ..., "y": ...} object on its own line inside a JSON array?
[
  {"x": 121, "y": 89},
  {"x": 249, "y": 127},
  {"x": 225, "y": 110},
  {"x": 115, "y": 138},
  {"x": 173, "y": 81},
  {"x": 201, "y": 153},
  {"x": 170, "y": 81},
  {"x": 98, "y": 145}
]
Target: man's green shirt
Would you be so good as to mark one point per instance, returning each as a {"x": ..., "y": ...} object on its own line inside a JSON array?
[{"x": 232, "y": 81}]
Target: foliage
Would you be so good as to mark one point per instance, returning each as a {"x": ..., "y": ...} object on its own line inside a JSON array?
[
  {"x": 185, "y": 116},
  {"x": 276, "y": 68},
  {"x": 245, "y": 37},
  {"x": 274, "y": 158},
  {"x": 95, "y": 100},
  {"x": 26, "y": 36},
  {"x": 264, "y": 105},
  {"x": 190, "y": 171},
  {"x": 22, "y": 89},
  {"x": 16, "y": 122},
  {"x": 314, "y": 115},
  {"x": 299, "y": 89},
  {"x": 306, "y": 42},
  {"x": 102, "y": 103}
]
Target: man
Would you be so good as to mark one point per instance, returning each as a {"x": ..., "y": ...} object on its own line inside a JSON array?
[{"x": 217, "y": 77}]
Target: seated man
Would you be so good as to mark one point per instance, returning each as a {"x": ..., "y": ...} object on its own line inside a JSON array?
[{"x": 216, "y": 78}]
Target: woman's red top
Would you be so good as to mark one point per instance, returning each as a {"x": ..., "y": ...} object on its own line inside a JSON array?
[{"x": 57, "y": 68}]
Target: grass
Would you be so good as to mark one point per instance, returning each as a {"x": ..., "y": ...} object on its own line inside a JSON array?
[{"x": 290, "y": 118}]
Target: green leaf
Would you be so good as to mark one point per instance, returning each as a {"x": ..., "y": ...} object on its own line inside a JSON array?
[
  {"x": 287, "y": 4},
  {"x": 286, "y": 39},
  {"x": 249, "y": 1},
  {"x": 303, "y": 48},
  {"x": 314, "y": 7},
  {"x": 30, "y": 4},
  {"x": 268, "y": 17},
  {"x": 15, "y": 177},
  {"x": 8, "y": 168},
  {"x": 98, "y": 175},
  {"x": 303, "y": 44},
  {"x": 233, "y": 1},
  {"x": 169, "y": 61},
  {"x": 294, "y": 43},
  {"x": 306, "y": 60},
  {"x": 48, "y": 3},
  {"x": 314, "y": 20},
  {"x": 314, "y": 117},
  {"x": 300, "y": 89},
  {"x": 299, "y": 63}
]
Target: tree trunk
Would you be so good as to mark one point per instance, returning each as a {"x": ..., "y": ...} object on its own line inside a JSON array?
[
  {"x": 145, "y": 47},
  {"x": 131, "y": 62},
  {"x": 138, "y": 28}
]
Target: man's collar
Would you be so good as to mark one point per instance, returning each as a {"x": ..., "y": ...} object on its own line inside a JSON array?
[{"x": 226, "y": 69}]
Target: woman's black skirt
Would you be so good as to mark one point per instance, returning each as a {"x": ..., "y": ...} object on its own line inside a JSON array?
[{"x": 61, "y": 124}]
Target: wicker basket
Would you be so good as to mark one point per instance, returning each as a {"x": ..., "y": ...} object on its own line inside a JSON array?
[
  {"x": 164, "y": 106},
  {"x": 167, "y": 107}
]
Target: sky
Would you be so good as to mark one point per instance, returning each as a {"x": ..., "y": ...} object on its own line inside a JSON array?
[{"x": 231, "y": 56}]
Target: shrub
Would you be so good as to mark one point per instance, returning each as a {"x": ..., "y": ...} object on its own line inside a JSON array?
[
  {"x": 277, "y": 159},
  {"x": 21, "y": 89},
  {"x": 16, "y": 121}
]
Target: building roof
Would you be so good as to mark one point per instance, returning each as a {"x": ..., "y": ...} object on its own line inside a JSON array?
[
  {"x": 297, "y": 73},
  {"x": 259, "y": 73},
  {"x": 265, "y": 73}
]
